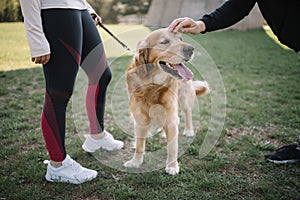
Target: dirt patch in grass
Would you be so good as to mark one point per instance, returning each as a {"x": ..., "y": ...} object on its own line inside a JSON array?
[{"x": 261, "y": 134}]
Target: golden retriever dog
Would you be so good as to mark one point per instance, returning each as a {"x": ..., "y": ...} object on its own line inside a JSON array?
[{"x": 158, "y": 83}]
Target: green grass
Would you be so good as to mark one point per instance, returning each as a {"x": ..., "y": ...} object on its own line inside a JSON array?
[
  {"x": 263, "y": 112},
  {"x": 14, "y": 52}
]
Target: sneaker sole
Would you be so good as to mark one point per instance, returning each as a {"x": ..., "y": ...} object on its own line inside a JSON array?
[
  {"x": 283, "y": 161},
  {"x": 87, "y": 150},
  {"x": 92, "y": 151},
  {"x": 59, "y": 179}
]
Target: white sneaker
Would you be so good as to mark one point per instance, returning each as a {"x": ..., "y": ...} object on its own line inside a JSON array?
[
  {"x": 108, "y": 143},
  {"x": 69, "y": 172}
]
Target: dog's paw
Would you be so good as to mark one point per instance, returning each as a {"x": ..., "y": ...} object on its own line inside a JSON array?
[
  {"x": 188, "y": 133},
  {"x": 132, "y": 164},
  {"x": 172, "y": 170}
]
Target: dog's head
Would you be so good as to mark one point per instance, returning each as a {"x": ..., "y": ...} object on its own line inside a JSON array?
[{"x": 165, "y": 50}]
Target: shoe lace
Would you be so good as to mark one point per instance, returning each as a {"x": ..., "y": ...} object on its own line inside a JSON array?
[
  {"x": 75, "y": 165},
  {"x": 109, "y": 136}
]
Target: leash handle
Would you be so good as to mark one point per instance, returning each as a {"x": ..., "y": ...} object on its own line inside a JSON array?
[{"x": 117, "y": 39}]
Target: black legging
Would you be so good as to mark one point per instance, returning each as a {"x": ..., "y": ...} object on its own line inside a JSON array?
[{"x": 74, "y": 41}]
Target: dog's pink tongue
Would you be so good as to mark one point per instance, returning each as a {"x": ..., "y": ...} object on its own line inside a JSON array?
[{"x": 184, "y": 72}]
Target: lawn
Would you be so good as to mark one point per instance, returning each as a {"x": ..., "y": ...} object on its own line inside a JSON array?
[{"x": 261, "y": 80}]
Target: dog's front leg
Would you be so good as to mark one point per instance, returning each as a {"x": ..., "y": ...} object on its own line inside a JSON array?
[
  {"x": 137, "y": 159},
  {"x": 172, "y": 167}
]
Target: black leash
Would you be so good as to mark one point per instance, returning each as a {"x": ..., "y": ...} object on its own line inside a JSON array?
[{"x": 117, "y": 39}]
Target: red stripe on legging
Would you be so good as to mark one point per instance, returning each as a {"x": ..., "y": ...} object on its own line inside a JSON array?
[
  {"x": 51, "y": 131},
  {"x": 91, "y": 106},
  {"x": 95, "y": 75},
  {"x": 92, "y": 94},
  {"x": 74, "y": 53}
]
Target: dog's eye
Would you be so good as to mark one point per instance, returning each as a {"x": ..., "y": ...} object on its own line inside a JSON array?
[{"x": 164, "y": 41}]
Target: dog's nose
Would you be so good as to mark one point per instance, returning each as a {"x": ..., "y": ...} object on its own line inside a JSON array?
[{"x": 188, "y": 51}]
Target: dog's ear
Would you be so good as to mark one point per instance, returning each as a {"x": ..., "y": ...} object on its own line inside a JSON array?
[{"x": 141, "y": 58}]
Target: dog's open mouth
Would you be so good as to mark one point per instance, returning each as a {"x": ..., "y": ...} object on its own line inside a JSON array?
[{"x": 179, "y": 71}]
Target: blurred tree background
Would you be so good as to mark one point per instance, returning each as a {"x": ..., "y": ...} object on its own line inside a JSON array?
[
  {"x": 109, "y": 10},
  {"x": 10, "y": 11}
]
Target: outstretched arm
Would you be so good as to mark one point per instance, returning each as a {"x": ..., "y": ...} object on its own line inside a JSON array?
[
  {"x": 228, "y": 14},
  {"x": 231, "y": 12}
]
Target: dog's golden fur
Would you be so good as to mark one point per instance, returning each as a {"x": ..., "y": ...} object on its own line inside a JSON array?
[{"x": 158, "y": 84}]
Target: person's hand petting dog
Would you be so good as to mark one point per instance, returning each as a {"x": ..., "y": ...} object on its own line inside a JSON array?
[{"x": 187, "y": 25}]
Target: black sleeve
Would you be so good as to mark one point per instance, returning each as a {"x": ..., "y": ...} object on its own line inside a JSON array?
[{"x": 228, "y": 14}]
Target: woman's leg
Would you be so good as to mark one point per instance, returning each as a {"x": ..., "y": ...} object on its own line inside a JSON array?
[
  {"x": 64, "y": 33},
  {"x": 63, "y": 29},
  {"x": 95, "y": 65}
]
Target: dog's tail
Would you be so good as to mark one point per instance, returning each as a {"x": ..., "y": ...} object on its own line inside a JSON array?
[{"x": 201, "y": 88}]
